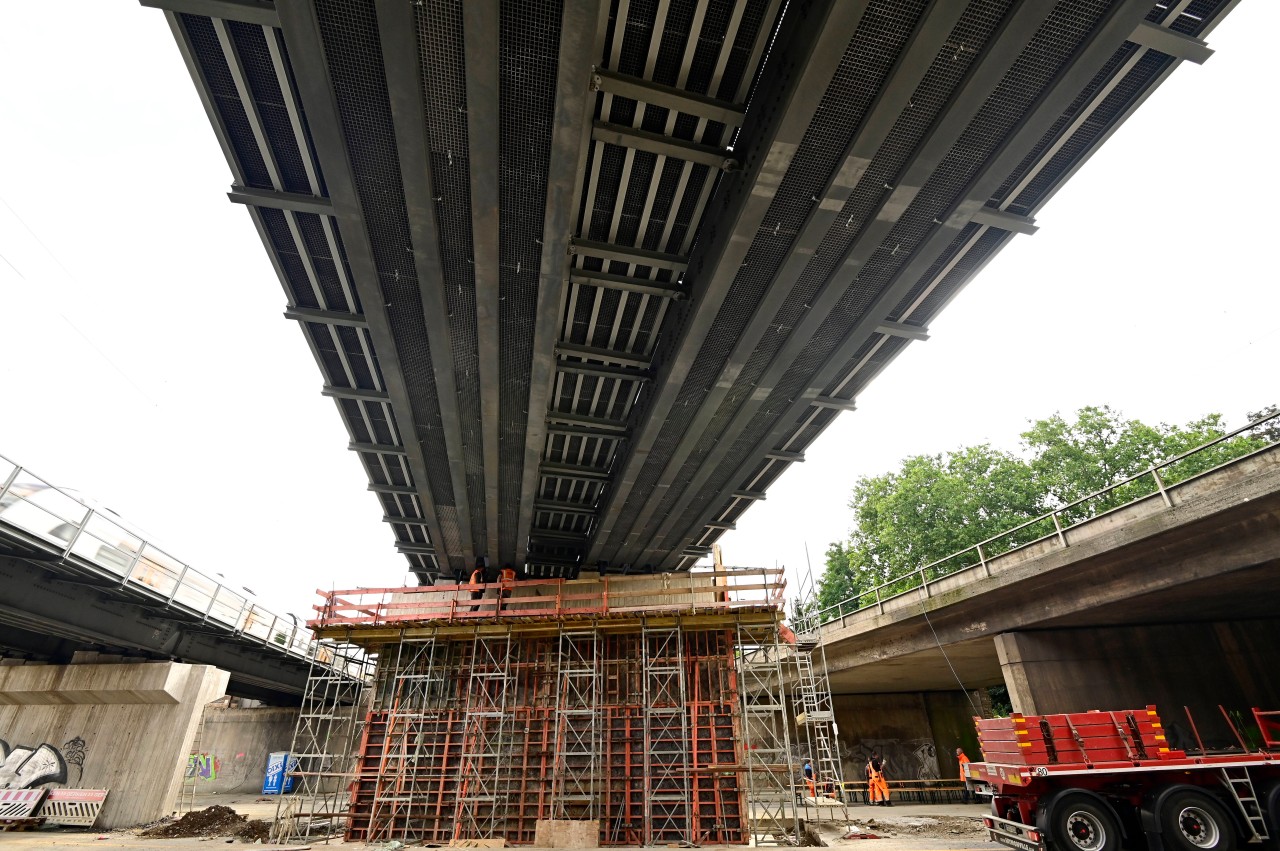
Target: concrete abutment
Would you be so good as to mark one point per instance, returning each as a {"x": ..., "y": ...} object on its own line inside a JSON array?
[{"x": 1197, "y": 665}]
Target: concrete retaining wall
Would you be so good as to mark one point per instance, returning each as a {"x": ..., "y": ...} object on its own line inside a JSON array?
[
  {"x": 234, "y": 744},
  {"x": 123, "y": 727}
]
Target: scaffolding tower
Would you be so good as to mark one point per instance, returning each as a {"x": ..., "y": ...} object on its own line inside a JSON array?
[
  {"x": 653, "y": 712},
  {"x": 322, "y": 757},
  {"x": 773, "y": 817},
  {"x": 815, "y": 717},
  {"x": 576, "y": 777},
  {"x": 487, "y": 739},
  {"x": 666, "y": 727}
]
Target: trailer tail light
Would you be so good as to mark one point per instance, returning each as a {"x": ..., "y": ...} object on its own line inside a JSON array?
[
  {"x": 1033, "y": 835},
  {"x": 988, "y": 822}
]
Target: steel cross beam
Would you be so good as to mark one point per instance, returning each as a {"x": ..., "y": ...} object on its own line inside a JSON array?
[
  {"x": 1090, "y": 58},
  {"x": 971, "y": 93},
  {"x": 582, "y": 33},
  {"x": 930, "y": 35},
  {"x": 306, "y": 53},
  {"x": 809, "y": 48}
]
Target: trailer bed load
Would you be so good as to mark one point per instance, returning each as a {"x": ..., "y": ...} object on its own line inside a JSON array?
[{"x": 1099, "y": 781}]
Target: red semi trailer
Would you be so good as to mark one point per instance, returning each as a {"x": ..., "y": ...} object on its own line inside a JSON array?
[{"x": 1099, "y": 781}]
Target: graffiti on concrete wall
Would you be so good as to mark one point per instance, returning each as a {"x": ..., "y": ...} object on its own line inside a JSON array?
[
  {"x": 905, "y": 759},
  {"x": 27, "y": 767},
  {"x": 203, "y": 766}
]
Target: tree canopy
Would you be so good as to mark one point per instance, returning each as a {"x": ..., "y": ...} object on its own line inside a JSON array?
[{"x": 935, "y": 506}]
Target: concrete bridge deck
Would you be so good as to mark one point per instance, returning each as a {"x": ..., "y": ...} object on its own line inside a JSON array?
[{"x": 1211, "y": 557}]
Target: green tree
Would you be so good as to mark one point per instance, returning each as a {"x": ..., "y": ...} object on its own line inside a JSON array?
[
  {"x": 1270, "y": 430},
  {"x": 936, "y": 506}
]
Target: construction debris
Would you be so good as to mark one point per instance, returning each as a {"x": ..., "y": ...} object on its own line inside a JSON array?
[{"x": 211, "y": 821}]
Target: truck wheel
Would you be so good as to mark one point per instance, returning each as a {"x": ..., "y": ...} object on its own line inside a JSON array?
[
  {"x": 1193, "y": 821},
  {"x": 1079, "y": 823},
  {"x": 1271, "y": 806}
]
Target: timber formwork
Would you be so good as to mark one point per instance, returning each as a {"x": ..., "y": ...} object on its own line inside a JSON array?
[{"x": 624, "y": 703}]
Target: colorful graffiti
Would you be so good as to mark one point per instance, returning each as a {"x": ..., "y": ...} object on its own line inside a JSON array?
[
  {"x": 203, "y": 766},
  {"x": 26, "y": 767}
]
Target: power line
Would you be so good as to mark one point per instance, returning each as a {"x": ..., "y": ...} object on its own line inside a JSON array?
[{"x": 63, "y": 316}]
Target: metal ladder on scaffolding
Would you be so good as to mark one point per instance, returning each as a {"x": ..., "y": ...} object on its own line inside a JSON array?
[
  {"x": 817, "y": 718},
  {"x": 771, "y": 817},
  {"x": 1238, "y": 782},
  {"x": 668, "y": 802}
]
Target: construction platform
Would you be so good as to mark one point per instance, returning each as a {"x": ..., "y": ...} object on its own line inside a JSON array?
[{"x": 645, "y": 710}]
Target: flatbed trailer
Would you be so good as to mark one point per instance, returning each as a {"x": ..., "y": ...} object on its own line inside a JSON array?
[{"x": 1100, "y": 781}]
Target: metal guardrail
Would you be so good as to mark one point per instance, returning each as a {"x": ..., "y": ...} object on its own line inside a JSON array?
[
  {"x": 1062, "y": 519},
  {"x": 63, "y": 524},
  {"x": 717, "y": 591}
]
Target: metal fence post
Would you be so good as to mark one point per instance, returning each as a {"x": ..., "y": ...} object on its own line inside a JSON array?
[
  {"x": 66, "y": 553},
  {"x": 1155, "y": 474},
  {"x": 879, "y": 602},
  {"x": 8, "y": 483},
  {"x": 1062, "y": 539},
  {"x": 982, "y": 559}
]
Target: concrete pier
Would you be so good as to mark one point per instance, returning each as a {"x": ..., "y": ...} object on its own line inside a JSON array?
[{"x": 123, "y": 727}]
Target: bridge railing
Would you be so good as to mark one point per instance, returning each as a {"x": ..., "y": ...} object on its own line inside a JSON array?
[
  {"x": 718, "y": 591},
  {"x": 68, "y": 526},
  {"x": 1155, "y": 480}
]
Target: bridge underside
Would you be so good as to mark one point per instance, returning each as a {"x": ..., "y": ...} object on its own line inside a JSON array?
[
  {"x": 49, "y": 615},
  {"x": 1196, "y": 580},
  {"x": 583, "y": 278}
]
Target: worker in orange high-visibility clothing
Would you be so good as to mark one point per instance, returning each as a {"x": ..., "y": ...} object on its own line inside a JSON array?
[
  {"x": 964, "y": 772},
  {"x": 877, "y": 787},
  {"x": 476, "y": 585},
  {"x": 506, "y": 583}
]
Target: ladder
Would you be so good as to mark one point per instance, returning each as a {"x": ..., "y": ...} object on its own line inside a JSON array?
[
  {"x": 191, "y": 771},
  {"x": 1240, "y": 785},
  {"x": 817, "y": 719}
]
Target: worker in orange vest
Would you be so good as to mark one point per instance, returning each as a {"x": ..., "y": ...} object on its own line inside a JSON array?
[
  {"x": 877, "y": 787},
  {"x": 506, "y": 583},
  {"x": 964, "y": 772},
  {"x": 476, "y": 585}
]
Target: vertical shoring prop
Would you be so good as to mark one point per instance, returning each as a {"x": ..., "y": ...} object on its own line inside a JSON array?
[{"x": 576, "y": 774}]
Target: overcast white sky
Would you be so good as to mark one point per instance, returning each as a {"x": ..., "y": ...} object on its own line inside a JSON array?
[{"x": 146, "y": 361}]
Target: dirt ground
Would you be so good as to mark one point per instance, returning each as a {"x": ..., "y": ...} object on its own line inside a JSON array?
[{"x": 916, "y": 827}]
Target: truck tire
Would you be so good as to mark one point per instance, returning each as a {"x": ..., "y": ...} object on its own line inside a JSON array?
[
  {"x": 1191, "y": 820},
  {"x": 1078, "y": 822},
  {"x": 1271, "y": 807}
]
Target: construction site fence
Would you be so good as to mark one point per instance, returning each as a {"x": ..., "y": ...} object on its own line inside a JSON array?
[
  {"x": 1231, "y": 448},
  {"x": 720, "y": 590}
]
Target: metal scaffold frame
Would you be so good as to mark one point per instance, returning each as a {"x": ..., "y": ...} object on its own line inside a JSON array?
[
  {"x": 629, "y": 719},
  {"x": 666, "y": 729},
  {"x": 771, "y": 770},
  {"x": 322, "y": 757},
  {"x": 575, "y": 790},
  {"x": 487, "y": 739}
]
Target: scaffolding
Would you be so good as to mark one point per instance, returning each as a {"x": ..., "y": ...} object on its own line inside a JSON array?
[
  {"x": 652, "y": 710},
  {"x": 322, "y": 759},
  {"x": 771, "y": 770}
]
